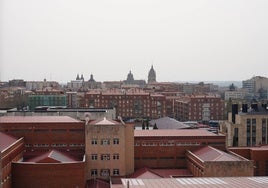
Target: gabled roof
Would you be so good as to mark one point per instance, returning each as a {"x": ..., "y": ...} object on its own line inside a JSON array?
[
  {"x": 104, "y": 121},
  {"x": 6, "y": 141},
  {"x": 168, "y": 123},
  {"x": 146, "y": 173},
  {"x": 209, "y": 153},
  {"x": 97, "y": 183},
  {"x": 52, "y": 156}
]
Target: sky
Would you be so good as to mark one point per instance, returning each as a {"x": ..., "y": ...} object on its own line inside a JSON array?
[{"x": 185, "y": 40}]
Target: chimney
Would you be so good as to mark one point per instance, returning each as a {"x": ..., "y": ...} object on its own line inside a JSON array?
[
  {"x": 254, "y": 106},
  {"x": 244, "y": 108},
  {"x": 234, "y": 111},
  {"x": 264, "y": 106}
]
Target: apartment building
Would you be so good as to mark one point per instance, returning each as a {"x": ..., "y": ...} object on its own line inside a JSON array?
[
  {"x": 109, "y": 148},
  {"x": 248, "y": 127},
  {"x": 199, "y": 108},
  {"x": 132, "y": 103}
]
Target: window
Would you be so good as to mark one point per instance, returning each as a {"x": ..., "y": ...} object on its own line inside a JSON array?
[
  {"x": 105, "y": 142},
  {"x": 116, "y": 141},
  {"x": 94, "y": 142},
  {"x": 105, "y": 157},
  {"x": 105, "y": 172},
  {"x": 94, "y": 172},
  {"x": 253, "y": 134},
  {"x": 264, "y": 131},
  {"x": 94, "y": 157},
  {"x": 248, "y": 132},
  {"x": 116, "y": 156},
  {"x": 116, "y": 172}
]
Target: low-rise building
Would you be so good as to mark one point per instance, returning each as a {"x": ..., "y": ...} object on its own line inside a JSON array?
[
  {"x": 211, "y": 162},
  {"x": 167, "y": 148},
  {"x": 11, "y": 150}
]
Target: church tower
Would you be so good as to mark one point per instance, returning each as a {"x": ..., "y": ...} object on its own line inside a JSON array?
[{"x": 151, "y": 75}]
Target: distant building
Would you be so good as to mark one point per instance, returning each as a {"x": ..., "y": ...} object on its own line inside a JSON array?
[
  {"x": 17, "y": 83},
  {"x": 257, "y": 86},
  {"x": 199, "y": 108},
  {"x": 151, "y": 75},
  {"x": 109, "y": 149},
  {"x": 237, "y": 95},
  {"x": 47, "y": 97},
  {"x": 40, "y": 85},
  {"x": 76, "y": 84},
  {"x": 129, "y": 104},
  {"x": 131, "y": 82},
  {"x": 92, "y": 84}
]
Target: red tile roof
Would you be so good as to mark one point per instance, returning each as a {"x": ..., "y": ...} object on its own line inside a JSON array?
[
  {"x": 97, "y": 183},
  {"x": 146, "y": 173},
  {"x": 209, "y": 153},
  {"x": 173, "y": 133},
  {"x": 37, "y": 119},
  {"x": 167, "y": 173},
  {"x": 52, "y": 156},
  {"x": 6, "y": 141}
]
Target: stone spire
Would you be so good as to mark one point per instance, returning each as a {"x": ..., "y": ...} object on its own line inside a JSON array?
[{"x": 152, "y": 75}]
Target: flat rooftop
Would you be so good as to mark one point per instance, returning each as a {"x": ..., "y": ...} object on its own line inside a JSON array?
[
  {"x": 174, "y": 133},
  {"x": 37, "y": 119},
  {"x": 260, "y": 182}
]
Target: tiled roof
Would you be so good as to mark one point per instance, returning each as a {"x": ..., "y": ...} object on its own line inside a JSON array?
[
  {"x": 167, "y": 173},
  {"x": 144, "y": 173},
  {"x": 209, "y": 153},
  {"x": 173, "y": 133},
  {"x": 6, "y": 141},
  {"x": 97, "y": 183},
  {"x": 260, "y": 182},
  {"x": 160, "y": 173},
  {"x": 104, "y": 121},
  {"x": 52, "y": 156},
  {"x": 168, "y": 123},
  {"x": 37, "y": 119}
]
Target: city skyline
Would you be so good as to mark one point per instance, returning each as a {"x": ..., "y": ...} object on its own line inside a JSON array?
[{"x": 184, "y": 41}]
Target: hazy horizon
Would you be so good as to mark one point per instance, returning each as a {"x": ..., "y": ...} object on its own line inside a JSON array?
[{"x": 194, "y": 40}]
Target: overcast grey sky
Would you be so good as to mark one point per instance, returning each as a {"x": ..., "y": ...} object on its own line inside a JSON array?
[{"x": 185, "y": 40}]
